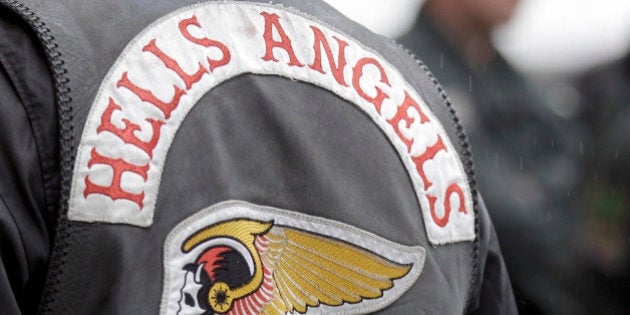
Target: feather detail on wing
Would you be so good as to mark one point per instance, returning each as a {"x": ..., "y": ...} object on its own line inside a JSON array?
[
  {"x": 254, "y": 303},
  {"x": 310, "y": 269}
]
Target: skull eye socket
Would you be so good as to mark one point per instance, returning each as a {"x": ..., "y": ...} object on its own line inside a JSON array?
[{"x": 188, "y": 299}]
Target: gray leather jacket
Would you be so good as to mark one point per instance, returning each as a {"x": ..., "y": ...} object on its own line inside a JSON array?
[{"x": 231, "y": 156}]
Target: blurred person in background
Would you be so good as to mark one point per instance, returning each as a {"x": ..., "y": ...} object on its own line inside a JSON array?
[
  {"x": 605, "y": 216},
  {"x": 525, "y": 167}
]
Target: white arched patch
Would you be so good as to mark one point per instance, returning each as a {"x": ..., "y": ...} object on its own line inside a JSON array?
[
  {"x": 168, "y": 67},
  {"x": 300, "y": 263}
]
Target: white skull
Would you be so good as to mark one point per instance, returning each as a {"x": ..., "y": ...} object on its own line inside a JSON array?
[{"x": 188, "y": 304}]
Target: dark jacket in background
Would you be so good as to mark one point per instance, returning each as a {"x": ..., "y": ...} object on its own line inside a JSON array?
[
  {"x": 526, "y": 168},
  {"x": 605, "y": 208}
]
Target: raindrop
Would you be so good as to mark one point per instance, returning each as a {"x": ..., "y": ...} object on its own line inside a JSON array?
[
  {"x": 521, "y": 162},
  {"x": 568, "y": 193},
  {"x": 441, "y": 60},
  {"x": 552, "y": 143},
  {"x": 581, "y": 147},
  {"x": 469, "y": 83}
]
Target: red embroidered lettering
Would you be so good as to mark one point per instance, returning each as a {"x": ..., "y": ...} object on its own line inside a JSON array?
[
  {"x": 271, "y": 20},
  {"x": 148, "y": 96},
  {"x": 128, "y": 133},
  {"x": 320, "y": 41},
  {"x": 403, "y": 114},
  {"x": 206, "y": 42},
  {"x": 380, "y": 96},
  {"x": 427, "y": 155},
  {"x": 114, "y": 190},
  {"x": 170, "y": 63},
  {"x": 452, "y": 189}
]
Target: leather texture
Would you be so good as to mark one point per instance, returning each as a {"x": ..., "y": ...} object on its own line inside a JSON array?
[{"x": 262, "y": 139}]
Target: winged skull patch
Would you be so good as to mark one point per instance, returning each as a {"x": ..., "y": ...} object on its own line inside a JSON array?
[{"x": 239, "y": 258}]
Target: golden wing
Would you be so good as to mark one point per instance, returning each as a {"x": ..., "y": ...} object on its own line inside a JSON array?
[{"x": 310, "y": 269}]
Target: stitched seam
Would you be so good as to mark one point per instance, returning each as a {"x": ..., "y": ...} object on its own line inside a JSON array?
[
  {"x": 64, "y": 108},
  {"x": 27, "y": 104},
  {"x": 466, "y": 153},
  {"x": 17, "y": 227},
  {"x": 20, "y": 94}
]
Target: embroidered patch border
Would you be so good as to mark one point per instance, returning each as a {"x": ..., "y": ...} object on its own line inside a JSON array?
[
  {"x": 349, "y": 270},
  {"x": 168, "y": 67}
]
